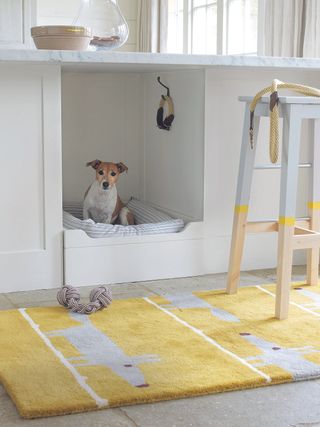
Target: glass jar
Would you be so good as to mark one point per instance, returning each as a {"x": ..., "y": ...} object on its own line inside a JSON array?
[{"x": 109, "y": 28}]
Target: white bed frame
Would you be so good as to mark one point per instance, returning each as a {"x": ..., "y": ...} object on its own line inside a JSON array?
[{"x": 130, "y": 259}]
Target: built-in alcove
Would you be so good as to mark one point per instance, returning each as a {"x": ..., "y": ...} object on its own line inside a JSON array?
[{"x": 111, "y": 116}]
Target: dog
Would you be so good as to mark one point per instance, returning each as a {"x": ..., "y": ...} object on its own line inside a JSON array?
[{"x": 101, "y": 201}]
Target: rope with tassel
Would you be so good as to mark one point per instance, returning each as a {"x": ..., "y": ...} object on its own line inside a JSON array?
[
  {"x": 69, "y": 297},
  {"x": 274, "y": 111}
]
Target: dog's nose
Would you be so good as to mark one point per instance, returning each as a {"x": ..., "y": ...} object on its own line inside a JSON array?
[{"x": 105, "y": 185}]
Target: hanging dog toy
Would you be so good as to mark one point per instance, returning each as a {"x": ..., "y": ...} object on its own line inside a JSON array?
[
  {"x": 69, "y": 297},
  {"x": 274, "y": 111},
  {"x": 166, "y": 100}
]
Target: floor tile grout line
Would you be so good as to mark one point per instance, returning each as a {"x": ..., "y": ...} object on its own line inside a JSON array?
[
  {"x": 124, "y": 412},
  {"x": 212, "y": 341},
  {"x": 152, "y": 291},
  {"x": 9, "y": 301}
]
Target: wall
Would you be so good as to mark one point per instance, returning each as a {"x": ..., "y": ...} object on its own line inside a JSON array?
[
  {"x": 174, "y": 160},
  {"x": 106, "y": 126},
  {"x": 63, "y": 12},
  {"x": 117, "y": 122}
]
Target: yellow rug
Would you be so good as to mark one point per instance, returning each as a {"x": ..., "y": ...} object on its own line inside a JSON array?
[{"x": 149, "y": 349}]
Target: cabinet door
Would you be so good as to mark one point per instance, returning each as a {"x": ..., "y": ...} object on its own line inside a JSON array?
[
  {"x": 30, "y": 178},
  {"x": 16, "y": 19}
]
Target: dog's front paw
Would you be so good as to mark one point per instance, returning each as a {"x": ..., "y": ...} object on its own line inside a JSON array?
[
  {"x": 108, "y": 220},
  {"x": 126, "y": 217}
]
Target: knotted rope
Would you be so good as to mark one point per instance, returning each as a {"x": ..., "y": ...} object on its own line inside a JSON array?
[
  {"x": 69, "y": 297},
  {"x": 274, "y": 111}
]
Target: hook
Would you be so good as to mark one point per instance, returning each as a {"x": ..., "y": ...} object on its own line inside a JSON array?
[{"x": 168, "y": 90}]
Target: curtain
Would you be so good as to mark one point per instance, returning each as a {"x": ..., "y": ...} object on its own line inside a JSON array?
[
  {"x": 290, "y": 28},
  {"x": 311, "y": 43},
  {"x": 152, "y": 25},
  {"x": 283, "y": 28}
]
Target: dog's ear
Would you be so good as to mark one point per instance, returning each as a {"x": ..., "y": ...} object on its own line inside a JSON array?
[
  {"x": 122, "y": 167},
  {"x": 95, "y": 164}
]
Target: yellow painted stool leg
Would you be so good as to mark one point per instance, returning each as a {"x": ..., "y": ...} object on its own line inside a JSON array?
[
  {"x": 314, "y": 205},
  {"x": 237, "y": 243},
  {"x": 284, "y": 269},
  {"x": 246, "y": 166},
  {"x": 313, "y": 253},
  {"x": 288, "y": 195}
]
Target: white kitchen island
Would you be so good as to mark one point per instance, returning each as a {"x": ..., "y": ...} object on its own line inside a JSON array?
[{"x": 61, "y": 109}]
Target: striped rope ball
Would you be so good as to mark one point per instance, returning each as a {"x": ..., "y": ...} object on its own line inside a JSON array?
[{"x": 69, "y": 297}]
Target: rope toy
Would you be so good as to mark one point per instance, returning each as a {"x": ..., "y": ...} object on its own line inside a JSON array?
[
  {"x": 274, "y": 111},
  {"x": 165, "y": 123},
  {"x": 69, "y": 297}
]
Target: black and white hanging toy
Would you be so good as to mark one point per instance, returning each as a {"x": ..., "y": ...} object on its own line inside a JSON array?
[{"x": 165, "y": 122}]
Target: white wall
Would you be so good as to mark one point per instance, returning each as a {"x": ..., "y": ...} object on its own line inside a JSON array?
[
  {"x": 174, "y": 160},
  {"x": 117, "y": 122},
  {"x": 101, "y": 119},
  {"x": 51, "y": 12}
]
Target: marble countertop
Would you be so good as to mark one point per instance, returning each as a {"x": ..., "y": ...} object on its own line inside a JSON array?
[{"x": 139, "y": 61}]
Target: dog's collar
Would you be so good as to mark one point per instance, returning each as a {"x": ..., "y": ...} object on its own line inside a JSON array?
[{"x": 165, "y": 123}]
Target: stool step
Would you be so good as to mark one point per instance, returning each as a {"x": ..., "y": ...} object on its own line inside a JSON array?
[
  {"x": 278, "y": 166},
  {"x": 305, "y": 239},
  {"x": 268, "y": 226}
]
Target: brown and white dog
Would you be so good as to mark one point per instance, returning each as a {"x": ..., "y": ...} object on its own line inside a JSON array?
[{"x": 101, "y": 201}]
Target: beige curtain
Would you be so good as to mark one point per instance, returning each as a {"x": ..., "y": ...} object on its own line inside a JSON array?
[
  {"x": 290, "y": 28},
  {"x": 311, "y": 42},
  {"x": 283, "y": 28},
  {"x": 152, "y": 25}
]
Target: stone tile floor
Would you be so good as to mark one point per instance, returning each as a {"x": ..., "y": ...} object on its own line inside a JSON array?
[{"x": 295, "y": 405}]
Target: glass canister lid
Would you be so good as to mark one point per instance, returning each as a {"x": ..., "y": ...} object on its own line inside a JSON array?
[{"x": 109, "y": 28}]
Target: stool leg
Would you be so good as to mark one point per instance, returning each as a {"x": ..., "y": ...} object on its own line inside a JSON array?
[
  {"x": 288, "y": 196},
  {"x": 236, "y": 250},
  {"x": 284, "y": 270},
  {"x": 242, "y": 200},
  {"x": 314, "y": 206}
]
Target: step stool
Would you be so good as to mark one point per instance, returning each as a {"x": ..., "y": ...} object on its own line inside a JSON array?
[{"x": 300, "y": 233}]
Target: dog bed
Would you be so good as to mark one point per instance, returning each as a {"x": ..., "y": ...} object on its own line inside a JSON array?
[{"x": 148, "y": 221}]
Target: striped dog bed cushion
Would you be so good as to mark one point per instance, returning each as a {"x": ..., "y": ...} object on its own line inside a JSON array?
[{"x": 148, "y": 221}]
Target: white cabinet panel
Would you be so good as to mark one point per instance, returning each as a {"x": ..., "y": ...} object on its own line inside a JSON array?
[
  {"x": 16, "y": 19},
  {"x": 21, "y": 146},
  {"x": 30, "y": 178}
]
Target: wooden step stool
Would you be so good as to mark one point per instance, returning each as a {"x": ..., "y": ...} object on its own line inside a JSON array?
[{"x": 292, "y": 233}]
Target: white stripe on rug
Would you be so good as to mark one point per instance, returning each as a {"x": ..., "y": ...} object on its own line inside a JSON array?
[
  {"x": 79, "y": 378},
  {"x": 291, "y": 302},
  {"x": 211, "y": 341}
]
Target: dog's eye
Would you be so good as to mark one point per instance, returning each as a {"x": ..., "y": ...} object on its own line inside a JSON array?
[
  {"x": 101, "y": 172},
  {"x": 113, "y": 174}
]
